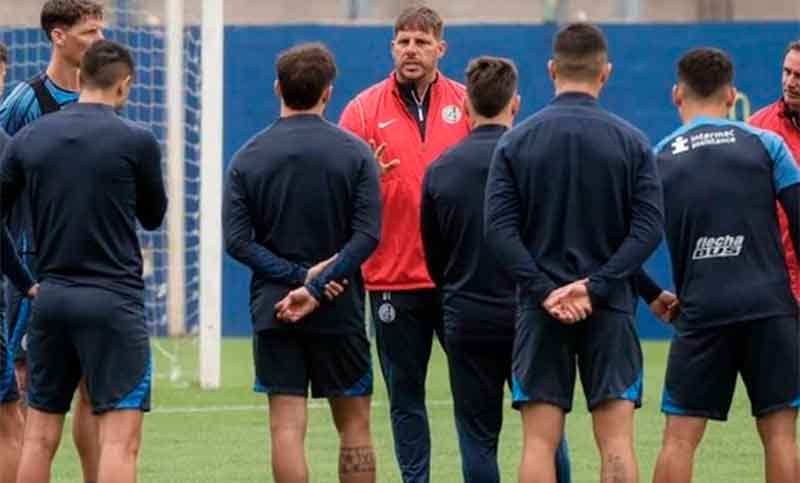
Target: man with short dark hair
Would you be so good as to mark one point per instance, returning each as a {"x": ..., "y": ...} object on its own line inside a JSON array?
[
  {"x": 478, "y": 300},
  {"x": 302, "y": 211},
  {"x": 573, "y": 208},
  {"x": 783, "y": 118},
  {"x": 737, "y": 313},
  {"x": 410, "y": 119},
  {"x": 70, "y": 26},
  {"x": 89, "y": 323}
]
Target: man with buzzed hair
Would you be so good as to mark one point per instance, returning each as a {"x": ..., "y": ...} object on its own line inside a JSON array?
[
  {"x": 478, "y": 299},
  {"x": 89, "y": 323},
  {"x": 70, "y": 26},
  {"x": 573, "y": 208},
  {"x": 737, "y": 315}
]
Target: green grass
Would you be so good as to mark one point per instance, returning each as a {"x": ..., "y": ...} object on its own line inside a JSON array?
[{"x": 197, "y": 436}]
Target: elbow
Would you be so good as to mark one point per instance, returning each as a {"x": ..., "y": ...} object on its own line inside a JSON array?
[
  {"x": 372, "y": 244},
  {"x": 490, "y": 236},
  {"x": 152, "y": 219},
  {"x": 153, "y": 223},
  {"x": 233, "y": 247},
  {"x": 655, "y": 237}
]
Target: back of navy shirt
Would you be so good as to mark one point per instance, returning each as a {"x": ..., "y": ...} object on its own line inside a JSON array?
[
  {"x": 87, "y": 175},
  {"x": 573, "y": 193},
  {"x": 301, "y": 189},
  {"x": 721, "y": 180},
  {"x": 477, "y": 294}
]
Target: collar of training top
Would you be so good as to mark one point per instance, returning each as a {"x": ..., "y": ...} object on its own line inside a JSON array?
[
  {"x": 89, "y": 106},
  {"x": 489, "y": 128},
  {"x": 791, "y": 115},
  {"x": 405, "y": 88},
  {"x": 574, "y": 98}
]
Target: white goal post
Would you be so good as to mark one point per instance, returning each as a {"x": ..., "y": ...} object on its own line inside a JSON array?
[{"x": 213, "y": 24}]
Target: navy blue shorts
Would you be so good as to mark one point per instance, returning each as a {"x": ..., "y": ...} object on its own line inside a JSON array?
[
  {"x": 287, "y": 361},
  {"x": 704, "y": 364},
  {"x": 604, "y": 347},
  {"x": 88, "y": 332}
]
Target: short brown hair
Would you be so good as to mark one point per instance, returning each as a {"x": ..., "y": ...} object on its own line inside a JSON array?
[
  {"x": 3, "y": 53},
  {"x": 795, "y": 45},
  {"x": 705, "y": 70},
  {"x": 67, "y": 13},
  {"x": 304, "y": 72},
  {"x": 491, "y": 83},
  {"x": 580, "y": 51},
  {"x": 104, "y": 64},
  {"x": 423, "y": 19}
]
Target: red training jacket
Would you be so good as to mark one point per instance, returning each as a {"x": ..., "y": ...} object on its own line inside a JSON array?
[
  {"x": 777, "y": 118},
  {"x": 378, "y": 113}
]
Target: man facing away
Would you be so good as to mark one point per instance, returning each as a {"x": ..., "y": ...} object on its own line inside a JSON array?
[
  {"x": 89, "y": 321},
  {"x": 302, "y": 210},
  {"x": 573, "y": 201},
  {"x": 737, "y": 314},
  {"x": 478, "y": 301},
  {"x": 70, "y": 26}
]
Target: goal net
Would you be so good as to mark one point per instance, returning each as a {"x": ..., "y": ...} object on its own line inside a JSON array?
[{"x": 166, "y": 97}]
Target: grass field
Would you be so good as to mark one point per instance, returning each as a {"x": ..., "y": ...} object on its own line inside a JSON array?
[{"x": 220, "y": 436}]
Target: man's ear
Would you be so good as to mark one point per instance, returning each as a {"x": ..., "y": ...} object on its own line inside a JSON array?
[
  {"x": 516, "y": 103},
  {"x": 677, "y": 95},
  {"x": 730, "y": 96}
]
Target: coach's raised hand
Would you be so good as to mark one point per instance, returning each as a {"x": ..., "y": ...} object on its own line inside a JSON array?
[{"x": 378, "y": 151}]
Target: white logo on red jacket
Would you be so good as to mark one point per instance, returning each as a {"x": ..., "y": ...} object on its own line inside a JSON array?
[{"x": 451, "y": 114}]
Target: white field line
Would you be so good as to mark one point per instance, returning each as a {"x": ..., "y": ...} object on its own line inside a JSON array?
[{"x": 312, "y": 404}]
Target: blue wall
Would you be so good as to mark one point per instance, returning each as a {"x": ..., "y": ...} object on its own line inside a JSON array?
[{"x": 644, "y": 59}]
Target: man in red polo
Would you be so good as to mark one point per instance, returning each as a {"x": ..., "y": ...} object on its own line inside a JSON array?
[
  {"x": 783, "y": 118},
  {"x": 410, "y": 119}
]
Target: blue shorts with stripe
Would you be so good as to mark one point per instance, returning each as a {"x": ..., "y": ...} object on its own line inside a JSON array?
[
  {"x": 704, "y": 364},
  {"x": 604, "y": 349},
  {"x": 79, "y": 331}
]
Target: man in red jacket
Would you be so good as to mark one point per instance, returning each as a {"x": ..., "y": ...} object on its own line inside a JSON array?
[
  {"x": 410, "y": 119},
  {"x": 783, "y": 118}
]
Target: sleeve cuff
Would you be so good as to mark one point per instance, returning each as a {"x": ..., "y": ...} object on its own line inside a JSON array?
[
  {"x": 648, "y": 289},
  {"x": 541, "y": 291},
  {"x": 314, "y": 290},
  {"x": 598, "y": 291},
  {"x": 300, "y": 275}
]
